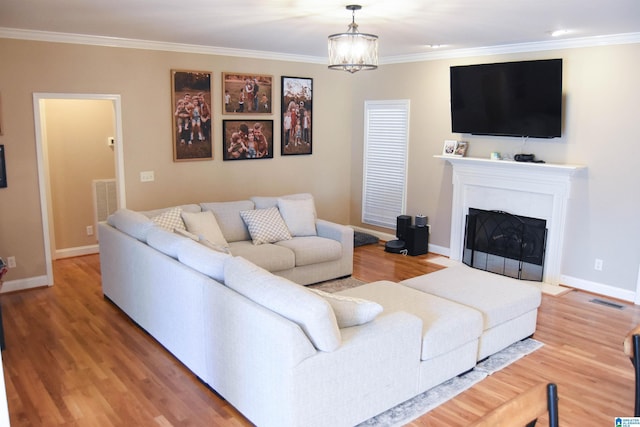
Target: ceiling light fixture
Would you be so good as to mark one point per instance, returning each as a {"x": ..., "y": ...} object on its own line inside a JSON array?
[
  {"x": 558, "y": 33},
  {"x": 353, "y": 51}
]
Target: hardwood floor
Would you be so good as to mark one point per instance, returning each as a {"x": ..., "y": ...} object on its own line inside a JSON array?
[{"x": 73, "y": 359}]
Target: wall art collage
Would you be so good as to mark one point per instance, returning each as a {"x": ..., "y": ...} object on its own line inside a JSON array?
[{"x": 248, "y": 97}]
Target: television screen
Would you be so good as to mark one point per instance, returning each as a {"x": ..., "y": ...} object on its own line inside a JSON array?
[{"x": 508, "y": 99}]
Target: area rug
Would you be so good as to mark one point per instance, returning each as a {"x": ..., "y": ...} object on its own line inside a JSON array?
[{"x": 430, "y": 399}]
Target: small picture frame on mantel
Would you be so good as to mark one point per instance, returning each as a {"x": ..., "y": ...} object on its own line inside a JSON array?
[
  {"x": 454, "y": 148},
  {"x": 449, "y": 147},
  {"x": 461, "y": 149}
]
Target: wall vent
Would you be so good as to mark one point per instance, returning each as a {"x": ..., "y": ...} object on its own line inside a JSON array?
[
  {"x": 607, "y": 303},
  {"x": 105, "y": 201}
]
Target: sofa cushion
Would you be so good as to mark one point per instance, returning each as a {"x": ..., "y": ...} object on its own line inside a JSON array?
[
  {"x": 268, "y": 256},
  {"x": 446, "y": 325},
  {"x": 228, "y": 216},
  {"x": 311, "y": 312},
  {"x": 204, "y": 225},
  {"x": 498, "y": 298},
  {"x": 170, "y": 219},
  {"x": 312, "y": 249},
  {"x": 263, "y": 202},
  {"x": 185, "y": 208},
  {"x": 299, "y": 215},
  {"x": 202, "y": 259},
  {"x": 265, "y": 225},
  {"x": 132, "y": 223},
  {"x": 350, "y": 311},
  {"x": 165, "y": 241}
]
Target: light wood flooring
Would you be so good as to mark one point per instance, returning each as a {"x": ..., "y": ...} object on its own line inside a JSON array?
[{"x": 73, "y": 359}]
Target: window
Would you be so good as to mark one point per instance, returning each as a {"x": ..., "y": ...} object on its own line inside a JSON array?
[{"x": 386, "y": 142}]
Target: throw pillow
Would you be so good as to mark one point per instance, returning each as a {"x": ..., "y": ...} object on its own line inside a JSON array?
[
  {"x": 202, "y": 240},
  {"x": 290, "y": 300},
  {"x": 299, "y": 215},
  {"x": 170, "y": 219},
  {"x": 350, "y": 311},
  {"x": 265, "y": 225},
  {"x": 204, "y": 225}
]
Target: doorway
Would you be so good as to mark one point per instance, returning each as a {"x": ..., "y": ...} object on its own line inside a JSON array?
[{"x": 55, "y": 151}]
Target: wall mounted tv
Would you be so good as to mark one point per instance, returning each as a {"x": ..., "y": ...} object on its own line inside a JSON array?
[{"x": 508, "y": 99}]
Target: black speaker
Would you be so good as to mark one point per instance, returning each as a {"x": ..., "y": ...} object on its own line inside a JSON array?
[
  {"x": 417, "y": 240},
  {"x": 403, "y": 222}
]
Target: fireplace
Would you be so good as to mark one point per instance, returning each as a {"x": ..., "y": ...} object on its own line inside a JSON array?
[
  {"x": 506, "y": 244},
  {"x": 526, "y": 189}
]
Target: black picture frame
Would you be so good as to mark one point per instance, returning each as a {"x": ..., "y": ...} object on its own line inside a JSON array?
[
  {"x": 241, "y": 139},
  {"x": 3, "y": 169},
  {"x": 297, "y": 116},
  {"x": 246, "y": 93}
]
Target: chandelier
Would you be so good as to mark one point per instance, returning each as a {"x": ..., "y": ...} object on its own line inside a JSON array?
[{"x": 353, "y": 51}]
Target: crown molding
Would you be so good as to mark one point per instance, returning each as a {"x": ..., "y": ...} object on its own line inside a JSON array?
[
  {"x": 614, "y": 39},
  {"x": 55, "y": 37}
]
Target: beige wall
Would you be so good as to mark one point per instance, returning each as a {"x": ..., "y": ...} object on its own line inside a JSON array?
[
  {"x": 142, "y": 78},
  {"x": 601, "y": 105},
  {"x": 76, "y": 133},
  {"x": 601, "y": 126}
]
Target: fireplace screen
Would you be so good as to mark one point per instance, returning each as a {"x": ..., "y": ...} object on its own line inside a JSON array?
[{"x": 505, "y": 244}]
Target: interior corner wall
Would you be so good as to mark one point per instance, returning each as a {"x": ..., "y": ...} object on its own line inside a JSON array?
[
  {"x": 142, "y": 79},
  {"x": 601, "y": 102}
]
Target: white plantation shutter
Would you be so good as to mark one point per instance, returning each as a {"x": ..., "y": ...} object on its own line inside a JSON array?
[{"x": 386, "y": 143}]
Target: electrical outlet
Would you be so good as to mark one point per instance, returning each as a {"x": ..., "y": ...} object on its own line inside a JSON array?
[
  {"x": 146, "y": 176},
  {"x": 598, "y": 265},
  {"x": 89, "y": 230},
  {"x": 11, "y": 262},
  {"x": 111, "y": 141}
]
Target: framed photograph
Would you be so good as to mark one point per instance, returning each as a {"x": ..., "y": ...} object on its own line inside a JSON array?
[
  {"x": 461, "y": 149},
  {"x": 296, "y": 115},
  {"x": 191, "y": 101},
  {"x": 247, "y": 139},
  {"x": 449, "y": 147},
  {"x": 246, "y": 93}
]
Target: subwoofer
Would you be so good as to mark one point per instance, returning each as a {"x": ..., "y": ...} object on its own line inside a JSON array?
[{"x": 403, "y": 222}]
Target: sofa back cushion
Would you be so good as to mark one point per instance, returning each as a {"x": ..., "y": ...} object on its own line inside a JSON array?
[
  {"x": 207, "y": 261},
  {"x": 165, "y": 241},
  {"x": 132, "y": 223},
  {"x": 311, "y": 312},
  {"x": 228, "y": 217}
]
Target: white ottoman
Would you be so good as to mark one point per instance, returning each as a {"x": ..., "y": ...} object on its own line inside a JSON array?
[
  {"x": 450, "y": 331},
  {"x": 509, "y": 306}
]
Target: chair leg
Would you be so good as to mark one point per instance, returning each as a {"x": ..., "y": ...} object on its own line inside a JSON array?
[
  {"x": 636, "y": 365},
  {"x": 552, "y": 404}
]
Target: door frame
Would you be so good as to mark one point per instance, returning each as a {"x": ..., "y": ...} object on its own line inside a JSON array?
[{"x": 43, "y": 162}]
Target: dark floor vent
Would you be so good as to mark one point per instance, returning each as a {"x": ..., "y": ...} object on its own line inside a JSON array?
[{"x": 607, "y": 303}]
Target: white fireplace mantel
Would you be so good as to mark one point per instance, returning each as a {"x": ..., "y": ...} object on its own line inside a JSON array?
[{"x": 538, "y": 190}]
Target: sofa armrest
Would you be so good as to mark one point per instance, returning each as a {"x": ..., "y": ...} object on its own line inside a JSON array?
[{"x": 334, "y": 231}]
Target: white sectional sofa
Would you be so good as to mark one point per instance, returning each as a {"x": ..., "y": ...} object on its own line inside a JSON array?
[{"x": 281, "y": 353}]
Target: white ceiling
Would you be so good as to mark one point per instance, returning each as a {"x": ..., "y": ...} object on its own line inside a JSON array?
[{"x": 300, "y": 27}]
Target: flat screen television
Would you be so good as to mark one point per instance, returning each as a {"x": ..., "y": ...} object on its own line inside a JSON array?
[{"x": 521, "y": 98}]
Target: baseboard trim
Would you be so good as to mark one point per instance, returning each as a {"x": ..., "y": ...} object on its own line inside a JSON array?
[
  {"x": 440, "y": 250},
  {"x": 598, "y": 288},
  {"x": 77, "y": 251},
  {"x": 24, "y": 284}
]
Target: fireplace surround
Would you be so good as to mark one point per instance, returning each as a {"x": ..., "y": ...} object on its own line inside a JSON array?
[{"x": 537, "y": 190}]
